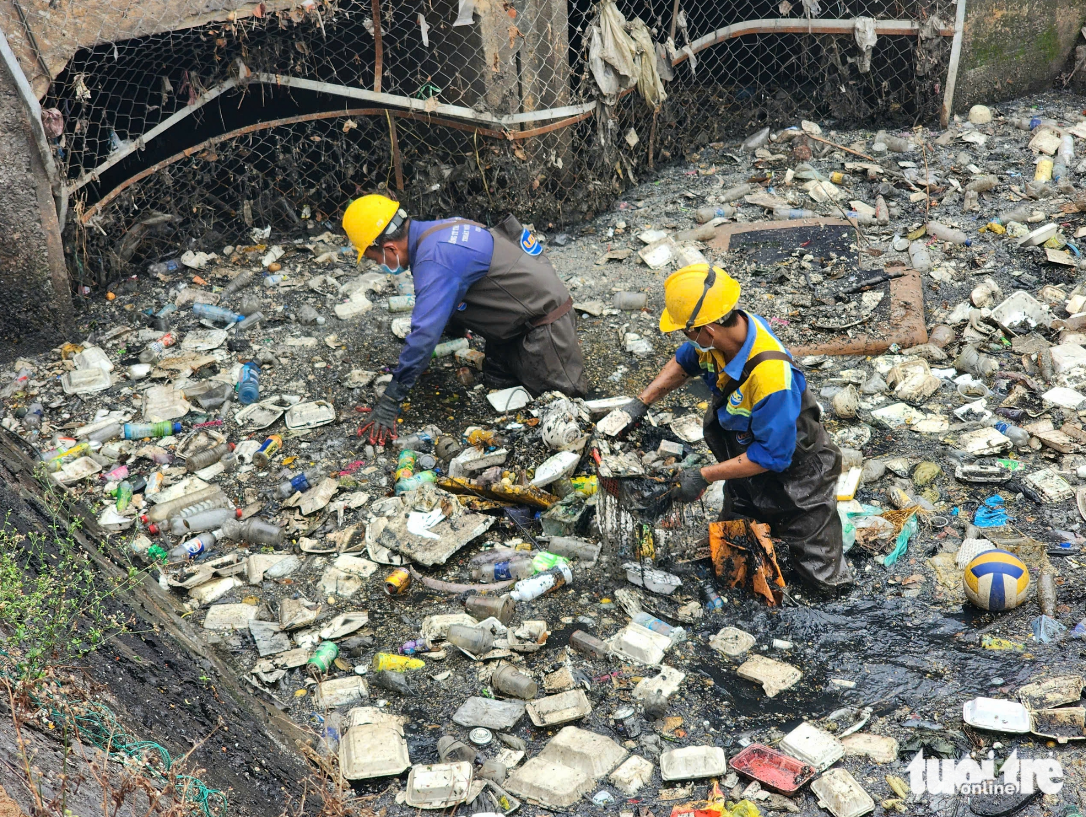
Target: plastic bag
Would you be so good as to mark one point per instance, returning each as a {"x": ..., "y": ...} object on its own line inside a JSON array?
[{"x": 1046, "y": 630}]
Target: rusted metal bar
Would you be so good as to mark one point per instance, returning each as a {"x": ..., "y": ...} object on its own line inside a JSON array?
[
  {"x": 378, "y": 47},
  {"x": 393, "y": 138}
]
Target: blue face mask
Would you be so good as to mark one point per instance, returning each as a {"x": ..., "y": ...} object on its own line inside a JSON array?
[
  {"x": 702, "y": 349},
  {"x": 390, "y": 270}
]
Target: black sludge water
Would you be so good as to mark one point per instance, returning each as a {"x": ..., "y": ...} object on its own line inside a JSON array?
[{"x": 898, "y": 653}]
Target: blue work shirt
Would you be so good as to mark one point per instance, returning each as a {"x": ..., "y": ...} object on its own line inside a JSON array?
[
  {"x": 444, "y": 267},
  {"x": 763, "y": 411}
]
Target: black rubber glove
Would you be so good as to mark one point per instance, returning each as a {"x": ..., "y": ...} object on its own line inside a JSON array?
[
  {"x": 382, "y": 424},
  {"x": 637, "y": 411},
  {"x": 690, "y": 485}
]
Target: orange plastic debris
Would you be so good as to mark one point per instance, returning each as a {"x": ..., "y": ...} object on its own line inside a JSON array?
[{"x": 743, "y": 556}]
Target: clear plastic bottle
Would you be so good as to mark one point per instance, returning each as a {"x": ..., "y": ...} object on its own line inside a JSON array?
[
  {"x": 1067, "y": 149},
  {"x": 254, "y": 531},
  {"x": 651, "y": 622},
  {"x": 504, "y": 571},
  {"x": 737, "y": 192},
  {"x": 249, "y": 304},
  {"x": 401, "y": 303},
  {"x": 793, "y": 213},
  {"x": 249, "y": 383},
  {"x": 207, "y": 457},
  {"x": 162, "y": 267},
  {"x": 414, "y": 481},
  {"x": 151, "y": 351},
  {"x": 419, "y": 442},
  {"x": 299, "y": 483},
  {"x": 755, "y": 141},
  {"x": 164, "y": 510},
  {"x": 863, "y": 219},
  {"x": 250, "y": 320},
  {"x": 894, "y": 144},
  {"x": 450, "y": 347},
  {"x": 140, "y": 431},
  {"x": 982, "y": 184},
  {"x": 308, "y": 316},
  {"x": 1016, "y": 434},
  {"x": 1019, "y": 214},
  {"x": 918, "y": 256},
  {"x": 710, "y": 597},
  {"x": 238, "y": 282},
  {"x": 33, "y": 417},
  {"x": 630, "y": 301},
  {"x": 274, "y": 280},
  {"x": 706, "y": 214},
  {"x": 533, "y": 588},
  {"x": 945, "y": 233},
  {"x": 210, "y": 519},
  {"x": 215, "y": 313},
  {"x": 195, "y": 548}
]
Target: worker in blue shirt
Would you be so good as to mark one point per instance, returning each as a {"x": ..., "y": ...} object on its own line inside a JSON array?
[
  {"x": 495, "y": 282},
  {"x": 763, "y": 425}
]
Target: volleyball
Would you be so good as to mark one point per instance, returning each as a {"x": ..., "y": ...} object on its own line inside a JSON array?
[{"x": 996, "y": 580}]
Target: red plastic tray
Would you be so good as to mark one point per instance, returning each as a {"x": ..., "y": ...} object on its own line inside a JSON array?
[{"x": 773, "y": 769}]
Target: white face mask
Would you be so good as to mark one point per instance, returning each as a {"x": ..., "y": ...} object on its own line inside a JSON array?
[{"x": 699, "y": 347}]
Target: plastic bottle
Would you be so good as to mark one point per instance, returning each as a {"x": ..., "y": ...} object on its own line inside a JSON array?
[
  {"x": 651, "y": 622},
  {"x": 971, "y": 201},
  {"x": 249, "y": 304},
  {"x": 982, "y": 184},
  {"x": 254, "y": 531},
  {"x": 1046, "y": 594},
  {"x": 249, "y": 383},
  {"x": 737, "y": 192},
  {"x": 630, "y": 301},
  {"x": 32, "y": 418},
  {"x": 504, "y": 571},
  {"x": 195, "y": 548},
  {"x": 573, "y": 548},
  {"x": 238, "y": 282},
  {"x": 308, "y": 316},
  {"x": 533, "y": 588},
  {"x": 124, "y": 496},
  {"x": 274, "y": 280},
  {"x": 162, "y": 267},
  {"x": 250, "y": 320},
  {"x": 918, "y": 256},
  {"x": 863, "y": 219},
  {"x": 450, "y": 347},
  {"x": 712, "y": 599},
  {"x": 268, "y": 449},
  {"x": 882, "y": 212},
  {"x": 207, "y": 457},
  {"x": 401, "y": 303},
  {"x": 405, "y": 464},
  {"x": 1043, "y": 171},
  {"x": 894, "y": 144},
  {"x": 215, "y": 313},
  {"x": 1027, "y": 123},
  {"x": 141, "y": 431},
  {"x": 755, "y": 140},
  {"x": 1017, "y": 435},
  {"x": 199, "y": 521},
  {"x": 706, "y": 214},
  {"x": 793, "y": 213},
  {"x": 419, "y": 442},
  {"x": 151, "y": 351},
  {"x": 587, "y": 644},
  {"x": 1066, "y": 151},
  {"x": 413, "y": 482},
  {"x": 1019, "y": 214},
  {"x": 945, "y": 233},
  {"x": 164, "y": 510},
  {"x": 299, "y": 483}
]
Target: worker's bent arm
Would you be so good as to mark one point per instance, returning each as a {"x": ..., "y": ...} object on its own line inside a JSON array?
[
  {"x": 670, "y": 378},
  {"x": 735, "y": 468}
]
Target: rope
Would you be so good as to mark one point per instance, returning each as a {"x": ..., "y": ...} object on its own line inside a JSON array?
[{"x": 97, "y": 723}]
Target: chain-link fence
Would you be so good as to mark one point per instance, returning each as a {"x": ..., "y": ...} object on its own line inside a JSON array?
[{"x": 180, "y": 125}]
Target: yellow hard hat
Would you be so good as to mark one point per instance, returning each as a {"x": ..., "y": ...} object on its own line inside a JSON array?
[
  {"x": 367, "y": 218},
  {"x": 696, "y": 296}
]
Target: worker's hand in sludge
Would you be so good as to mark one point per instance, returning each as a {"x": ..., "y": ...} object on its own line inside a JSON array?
[
  {"x": 689, "y": 486},
  {"x": 637, "y": 411},
  {"x": 382, "y": 425}
]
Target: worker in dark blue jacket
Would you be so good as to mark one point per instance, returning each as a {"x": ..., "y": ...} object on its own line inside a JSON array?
[{"x": 495, "y": 282}]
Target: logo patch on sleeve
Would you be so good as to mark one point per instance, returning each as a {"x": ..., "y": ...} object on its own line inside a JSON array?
[{"x": 529, "y": 244}]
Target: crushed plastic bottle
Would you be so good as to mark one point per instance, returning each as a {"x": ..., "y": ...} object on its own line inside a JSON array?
[
  {"x": 216, "y": 314},
  {"x": 207, "y": 457}
]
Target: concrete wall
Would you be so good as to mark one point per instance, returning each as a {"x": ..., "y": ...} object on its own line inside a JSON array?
[
  {"x": 1015, "y": 47},
  {"x": 34, "y": 292}
]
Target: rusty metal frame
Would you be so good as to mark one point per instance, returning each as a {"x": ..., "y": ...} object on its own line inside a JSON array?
[{"x": 906, "y": 297}]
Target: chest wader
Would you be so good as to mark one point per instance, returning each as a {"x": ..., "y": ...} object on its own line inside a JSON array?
[
  {"x": 524, "y": 312},
  {"x": 799, "y": 503}
]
